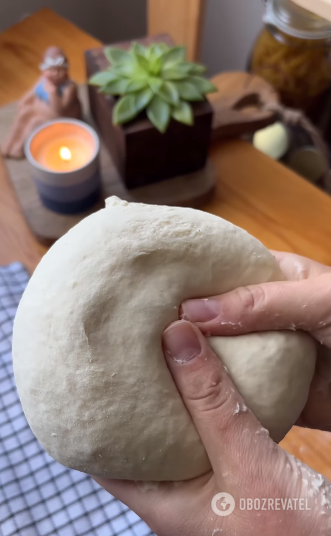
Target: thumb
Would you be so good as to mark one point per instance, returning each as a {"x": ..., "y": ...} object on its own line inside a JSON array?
[
  {"x": 217, "y": 409},
  {"x": 293, "y": 305}
]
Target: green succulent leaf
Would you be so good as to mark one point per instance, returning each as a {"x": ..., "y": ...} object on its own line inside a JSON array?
[
  {"x": 160, "y": 48},
  {"x": 125, "y": 110},
  {"x": 155, "y": 83},
  {"x": 143, "y": 98},
  {"x": 155, "y": 51},
  {"x": 196, "y": 68},
  {"x": 127, "y": 70},
  {"x": 202, "y": 84},
  {"x": 188, "y": 91},
  {"x": 142, "y": 63},
  {"x": 117, "y": 55},
  {"x": 169, "y": 93},
  {"x": 155, "y": 66},
  {"x": 136, "y": 85},
  {"x": 156, "y": 78},
  {"x": 183, "y": 113},
  {"x": 173, "y": 56},
  {"x": 138, "y": 48},
  {"x": 183, "y": 67},
  {"x": 172, "y": 75},
  {"x": 117, "y": 87},
  {"x": 159, "y": 113},
  {"x": 103, "y": 78},
  {"x": 180, "y": 71}
]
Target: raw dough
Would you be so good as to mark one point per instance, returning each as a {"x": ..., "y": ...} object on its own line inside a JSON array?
[{"x": 87, "y": 349}]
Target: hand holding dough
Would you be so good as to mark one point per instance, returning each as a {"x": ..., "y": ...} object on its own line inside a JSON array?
[{"x": 87, "y": 348}]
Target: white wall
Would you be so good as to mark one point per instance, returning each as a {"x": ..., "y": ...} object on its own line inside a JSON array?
[
  {"x": 109, "y": 20},
  {"x": 230, "y": 29}
]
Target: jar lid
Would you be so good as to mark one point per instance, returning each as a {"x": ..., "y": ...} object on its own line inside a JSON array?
[{"x": 296, "y": 21}]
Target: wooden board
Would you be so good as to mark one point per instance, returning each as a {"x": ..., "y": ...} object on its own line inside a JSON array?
[
  {"x": 182, "y": 19},
  {"x": 238, "y": 105},
  {"x": 262, "y": 196},
  {"x": 319, "y": 7},
  {"x": 191, "y": 190}
]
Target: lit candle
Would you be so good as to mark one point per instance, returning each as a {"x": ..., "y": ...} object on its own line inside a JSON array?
[{"x": 64, "y": 155}]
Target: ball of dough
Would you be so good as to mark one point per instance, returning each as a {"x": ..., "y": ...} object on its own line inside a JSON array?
[{"x": 87, "y": 351}]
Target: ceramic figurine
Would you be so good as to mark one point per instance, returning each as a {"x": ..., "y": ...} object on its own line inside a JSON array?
[{"x": 53, "y": 96}]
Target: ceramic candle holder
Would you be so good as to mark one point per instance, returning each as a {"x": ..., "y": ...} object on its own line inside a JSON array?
[{"x": 64, "y": 156}]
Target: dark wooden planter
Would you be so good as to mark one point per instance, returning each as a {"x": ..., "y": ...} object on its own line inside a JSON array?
[{"x": 140, "y": 152}]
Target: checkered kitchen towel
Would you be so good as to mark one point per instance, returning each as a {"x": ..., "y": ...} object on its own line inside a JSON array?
[{"x": 38, "y": 496}]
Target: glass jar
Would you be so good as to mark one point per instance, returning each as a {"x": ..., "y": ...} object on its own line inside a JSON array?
[{"x": 293, "y": 54}]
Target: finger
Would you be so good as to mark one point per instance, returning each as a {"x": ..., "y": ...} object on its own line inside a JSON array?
[
  {"x": 124, "y": 490},
  {"x": 283, "y": 305},
  {"x": 296, "y": 268},
  {"x": 217, "y": 409},
  {"x": 141, "y": 497},
  {"x": 154, "y": 501}
]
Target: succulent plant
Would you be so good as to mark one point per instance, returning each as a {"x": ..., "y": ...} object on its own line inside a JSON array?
[{"x": 156, "y": 79}]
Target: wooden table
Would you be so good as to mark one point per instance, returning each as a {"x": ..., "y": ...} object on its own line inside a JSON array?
[{"x": 254, "y": 192}]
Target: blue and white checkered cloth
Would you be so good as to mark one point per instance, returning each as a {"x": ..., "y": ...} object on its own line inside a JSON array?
[{"x": 38, "y": 496}]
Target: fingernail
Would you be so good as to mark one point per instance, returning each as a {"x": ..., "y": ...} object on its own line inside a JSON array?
[
  {"x": 200, "y": 310},
  {"x": 181, "y": 343}
]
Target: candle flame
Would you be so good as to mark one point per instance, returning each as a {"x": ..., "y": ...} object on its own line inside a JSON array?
[{"x": 65, "y": 154}]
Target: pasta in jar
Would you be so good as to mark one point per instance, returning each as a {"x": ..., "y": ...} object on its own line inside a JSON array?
[{"x": 299, "y": 69}]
